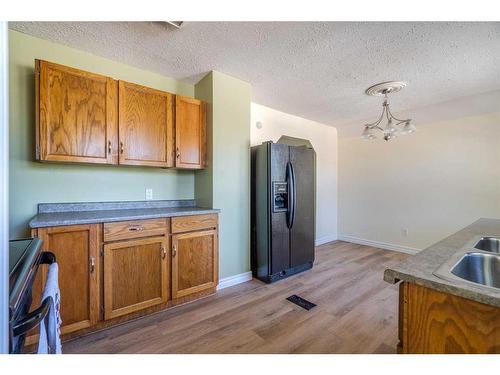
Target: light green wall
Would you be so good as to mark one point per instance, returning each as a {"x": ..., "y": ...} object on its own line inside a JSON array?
[
  {"x": 229, "y": 169},
  {"x": 224, "y": 184},
  {"x": 203, "y": 187},
  {"x": 33, "y": 182}
]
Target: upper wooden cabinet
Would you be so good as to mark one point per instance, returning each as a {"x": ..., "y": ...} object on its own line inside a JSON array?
[
  {"x": 145, "y": 126},
  {"x": 88, "y": 118},
  {"x": 190, "y": 128},
  {"x": 76, "y": 115}
]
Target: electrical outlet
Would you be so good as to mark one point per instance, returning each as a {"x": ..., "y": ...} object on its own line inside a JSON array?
[
  {"x": 149, "y": 194},
  {"x": 404, "y": 232}
]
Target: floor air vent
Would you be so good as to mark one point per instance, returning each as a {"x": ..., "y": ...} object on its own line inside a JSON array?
[{"x": 305, "y": 304}]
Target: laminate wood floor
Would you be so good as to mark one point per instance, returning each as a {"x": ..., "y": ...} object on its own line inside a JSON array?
[{"x": 356, "y": 312}]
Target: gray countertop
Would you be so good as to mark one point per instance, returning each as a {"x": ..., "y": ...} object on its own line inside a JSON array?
[
  {"x": 56, "y": 214},
  {"x": 419, "y": 268}
]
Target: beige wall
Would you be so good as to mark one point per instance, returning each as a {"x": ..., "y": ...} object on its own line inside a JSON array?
[
  {"x": 433, "y": 183},
  {"x": 324, "y": 140}
]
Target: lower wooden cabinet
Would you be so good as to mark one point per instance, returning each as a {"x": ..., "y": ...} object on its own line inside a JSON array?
[
  {"x": 194, "y": 262},
  {"x": 128, "y": 269},
  {"x": 76, "y": 248},
  {"x": 434, "y": 322},
  {"x": 135, "y": 275}
]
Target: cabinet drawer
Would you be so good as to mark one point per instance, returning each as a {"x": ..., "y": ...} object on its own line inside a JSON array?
[
  {"x": 123, "y": 230},
  {"x": 194, "y": 222}
]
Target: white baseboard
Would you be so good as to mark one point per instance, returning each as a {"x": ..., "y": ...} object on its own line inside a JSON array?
[
  {"x": 381, "y": 245},
  {"x": 325, "y": 239},
  {"x": 234, "y": 280}
]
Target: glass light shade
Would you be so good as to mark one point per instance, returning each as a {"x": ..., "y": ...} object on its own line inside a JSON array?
[
  {"x": 390, "y": 128},
  {"x": 402, "y": 131},
  {"x": 408, "y": 128},
  {"x": 390, "y": 131},
  {"x": 368, "y": 134}
]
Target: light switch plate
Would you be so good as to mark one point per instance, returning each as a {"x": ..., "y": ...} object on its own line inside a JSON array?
[{"x": 149, "y": 194}]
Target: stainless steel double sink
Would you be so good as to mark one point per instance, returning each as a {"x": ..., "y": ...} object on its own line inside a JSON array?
[{"x": 479, "y": 264}]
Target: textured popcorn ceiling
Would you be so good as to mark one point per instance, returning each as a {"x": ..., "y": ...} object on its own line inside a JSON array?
[{"x": 318, "y": 71}]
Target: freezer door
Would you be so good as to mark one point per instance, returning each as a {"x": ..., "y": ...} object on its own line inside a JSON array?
[
  {"x": 280, "y": 238},
  {"x": 302, "y": 231}
]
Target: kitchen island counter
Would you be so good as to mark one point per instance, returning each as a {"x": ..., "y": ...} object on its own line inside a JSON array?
[{"x": 419, "y": 269}]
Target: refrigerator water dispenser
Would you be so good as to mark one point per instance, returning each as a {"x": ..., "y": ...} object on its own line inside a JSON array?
[{"x": 280, "y": 197}]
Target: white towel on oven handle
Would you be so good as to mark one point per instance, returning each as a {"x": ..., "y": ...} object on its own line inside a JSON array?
[{"x": 52, "y": 322}]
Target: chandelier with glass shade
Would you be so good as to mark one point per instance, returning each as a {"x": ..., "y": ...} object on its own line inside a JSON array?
[{"x": 393, "y": 127}]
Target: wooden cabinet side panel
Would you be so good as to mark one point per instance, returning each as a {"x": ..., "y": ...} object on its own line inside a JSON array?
[
  {"x": 203, "y": 135},
  {"x": 438, "y": 322},
  {"x": 38, "y": 155},
  {"x": 402, "y": 318}
]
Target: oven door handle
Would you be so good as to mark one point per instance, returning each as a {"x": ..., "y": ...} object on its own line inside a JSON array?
[{"x": 33, "y": 319}]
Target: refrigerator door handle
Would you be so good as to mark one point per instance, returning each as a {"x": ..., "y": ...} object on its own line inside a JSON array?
[
  {"x": 290, "y": 192},
  {"x": 290, "y": 179},
  {"x": 294, "y": 195}
]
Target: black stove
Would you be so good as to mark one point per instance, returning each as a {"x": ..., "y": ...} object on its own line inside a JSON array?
[{"x": 25, "y": 256}]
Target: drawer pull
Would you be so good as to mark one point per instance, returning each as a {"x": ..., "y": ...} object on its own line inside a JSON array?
[{"x": 135, "y": 229}]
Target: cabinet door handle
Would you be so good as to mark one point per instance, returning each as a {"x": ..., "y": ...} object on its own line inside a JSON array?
[
  {"x": 109, "y": 147},
  {"x": 92, "y": 264},
  {"x": 177, "y": 153},
  {"x": 135, "y": 229},
  {"x": 174, "y": 250},
  {"x": 163, "y": 252},
  {"x": 121, "y": 147}
]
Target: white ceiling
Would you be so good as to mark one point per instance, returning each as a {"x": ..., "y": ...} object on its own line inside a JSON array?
[{"x": 316, "y": 70}]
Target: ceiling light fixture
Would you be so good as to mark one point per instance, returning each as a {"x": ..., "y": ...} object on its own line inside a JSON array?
[{"x": 394, "y": 126}]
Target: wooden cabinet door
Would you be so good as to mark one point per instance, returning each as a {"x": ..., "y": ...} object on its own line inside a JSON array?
[
  {"x": 145, "y": 126},
  {"x": 76, "y": 248},
  {"x": 190, "y": 129},
  {"x": 135, "y": 275},
  {"x": 435, "y": 322},
  {"x": 76, "y": 115},
  {"x": 194, "y": 262}
]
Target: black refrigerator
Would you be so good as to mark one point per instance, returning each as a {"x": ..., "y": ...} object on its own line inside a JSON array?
[{"x": 282, "y": 210}]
